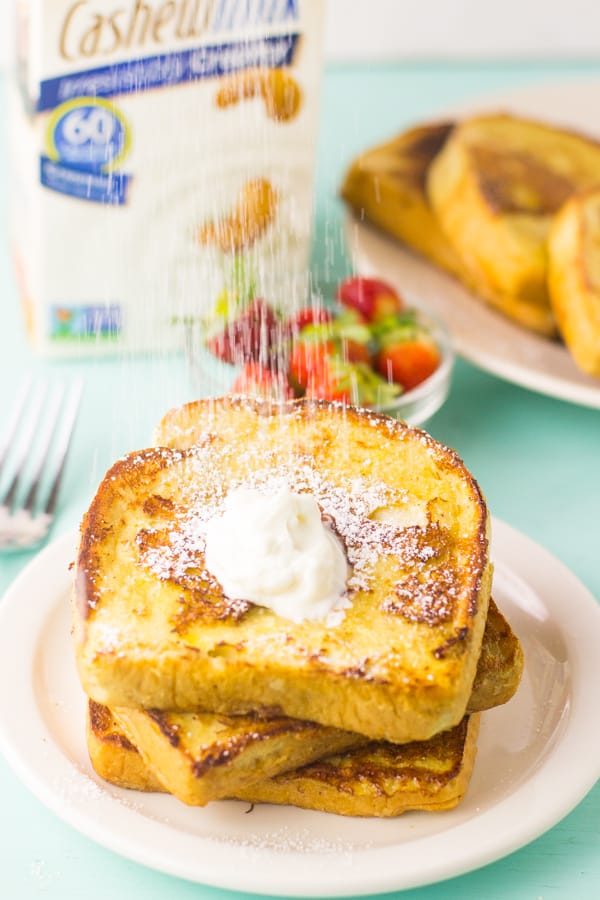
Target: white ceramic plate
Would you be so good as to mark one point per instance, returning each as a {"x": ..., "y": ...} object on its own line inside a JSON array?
[
  {"x": 549, "y": 734},
  {"x": 480, "y": 334}
]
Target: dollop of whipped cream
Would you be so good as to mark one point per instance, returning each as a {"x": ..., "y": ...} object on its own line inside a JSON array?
[{"x": 273, "y": 549}]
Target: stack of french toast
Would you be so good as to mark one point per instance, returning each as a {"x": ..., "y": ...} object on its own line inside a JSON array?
[
  {"x": 508, "y": 205},
  {"x": 370, "y": 710}
]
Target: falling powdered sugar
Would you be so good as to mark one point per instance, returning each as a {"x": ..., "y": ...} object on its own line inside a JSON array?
[{"x": 349, "y": 508}]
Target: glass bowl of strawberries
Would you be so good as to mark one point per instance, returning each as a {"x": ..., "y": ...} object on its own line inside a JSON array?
[{"x": 369, "y": 348}]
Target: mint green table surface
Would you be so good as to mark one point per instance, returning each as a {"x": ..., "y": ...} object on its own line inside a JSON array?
[{"x": 536, "y": 458}]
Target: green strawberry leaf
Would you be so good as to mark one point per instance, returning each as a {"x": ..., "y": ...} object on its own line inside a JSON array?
[
  {"x": 366, "y": 386},
  {"x": 316, "y": 333}
]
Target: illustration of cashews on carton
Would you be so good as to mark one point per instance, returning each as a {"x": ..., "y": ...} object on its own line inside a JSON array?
[{"x": 162, "y": 156}]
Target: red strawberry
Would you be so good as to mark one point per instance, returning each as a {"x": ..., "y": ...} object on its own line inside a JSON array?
[
  {"x": 310, "y": 315},
  {"x": 256, "y": 335},
  {"x": 355, "y": 352},
  {"x": 409, "y": 362},
  {"x": 259, "y": 381},
  {"x": 329, "y": 389},
  {"x": 328, "y": 382},
  {"x": 340, "y": 380},
  {"x": 308, "y": 361},
  {"x": 372, "y": 298}
]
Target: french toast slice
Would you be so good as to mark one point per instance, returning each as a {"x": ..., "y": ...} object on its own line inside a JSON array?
[
  {"x": 574, "y": 277},
  {"x": 386, "y": 187},
  {"x": 113, "y": 756},
  {"x": 495, "y": 187},
  {"x": 500, "y": 664},
  {"x": 379, "y": 779},
  {"x": 153, "y": 629},
  {"x": 202, "y": 756}
]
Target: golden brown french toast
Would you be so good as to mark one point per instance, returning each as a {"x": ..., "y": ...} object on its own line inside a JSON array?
[
  {"x": 112, "y": 754},
  {"x": 153, "y": 628},
  {"x": 202, "y": 756},
  {"x": 495, "y": 187},
  {"x": 386, "y": 187},
  {"x": 379, "y": 779},
  {"x": 574, "y": 277},
  {"x": 500, "y": 664}
]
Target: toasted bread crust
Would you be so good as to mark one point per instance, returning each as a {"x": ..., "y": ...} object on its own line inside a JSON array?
[
  {"x": 381, "y": 779},
  {"x": 200, "y": 757},
  {"x": 377, "y": 780},
  {"x": 495, "y": 187},
  {"x": 500, "y": 665},
  {"x": 113, "y": 756},
  {"x": 403, "y": 678},
  {"x": 386, "y": 187},
  {"x": 574, "y": 277}
]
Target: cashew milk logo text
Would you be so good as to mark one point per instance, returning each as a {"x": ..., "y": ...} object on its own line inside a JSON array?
[{"x": 87, "y": 32}]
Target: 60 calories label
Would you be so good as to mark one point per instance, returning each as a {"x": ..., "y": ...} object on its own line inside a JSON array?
[{"x": 87, "y": 140}]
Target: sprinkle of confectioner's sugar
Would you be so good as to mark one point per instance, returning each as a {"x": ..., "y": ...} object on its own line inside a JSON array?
[
  {"x": 78, "y": 785},
  {"x": 294, "y": 840},
  {"x": 111, "y": 636},
  {"x": 43, "y": 875},
  {"x": 348, "y": 508}
]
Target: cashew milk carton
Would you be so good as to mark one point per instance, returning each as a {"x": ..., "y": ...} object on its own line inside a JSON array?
[{"x": 161, "y": 163}]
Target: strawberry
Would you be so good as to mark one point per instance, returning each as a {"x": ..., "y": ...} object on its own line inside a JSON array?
[
  {"x": 309, "y": 361},
  {"x": 408, "y": 362},
  {"x": 349, "y": 382},
  {"x": 372, "y": 298},
  {"x": 259, "y": 381},
  {"x": 310, "y": 315},
  {"x": 329, "y": 383},
  {"x": 345, "y": 334},
  {"x": 255, "y": 335},
  {"x": 355, "y": 351},
  {"x": 315, "y": 368},
  {"x": 322, "y": 372}
]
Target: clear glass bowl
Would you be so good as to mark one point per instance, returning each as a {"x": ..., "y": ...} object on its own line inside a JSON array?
[{"x": 211, "y": 377}]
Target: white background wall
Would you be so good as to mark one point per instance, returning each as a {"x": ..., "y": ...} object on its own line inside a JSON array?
[
  {"x": 446, "y": 29},
  {"x": 451, "y": 29}
]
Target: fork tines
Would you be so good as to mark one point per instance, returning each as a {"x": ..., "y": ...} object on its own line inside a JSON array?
[{"x": 33, "y": 452}]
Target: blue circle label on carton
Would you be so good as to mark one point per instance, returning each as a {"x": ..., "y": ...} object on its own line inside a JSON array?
[
  {"x": 88, "y": 133},
  {"x": 87, "y": 139}
]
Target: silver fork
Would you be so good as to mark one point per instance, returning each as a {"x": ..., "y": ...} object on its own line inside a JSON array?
[{"x": 33, "y": 453}]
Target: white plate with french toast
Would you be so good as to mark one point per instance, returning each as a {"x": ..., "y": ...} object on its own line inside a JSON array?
[
  {"x": 491, "y": 339},
  {"x": 548, "y": 733}
]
